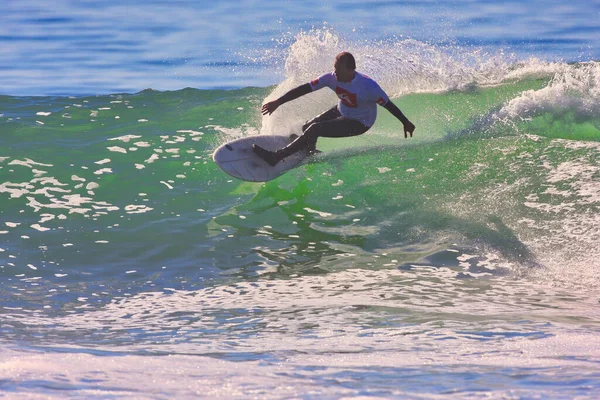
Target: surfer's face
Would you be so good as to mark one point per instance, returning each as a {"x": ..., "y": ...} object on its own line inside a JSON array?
[{"x": 342, "y": 72}]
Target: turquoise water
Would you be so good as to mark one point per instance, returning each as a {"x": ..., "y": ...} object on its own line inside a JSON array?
[{"x": 462, "y": 263}]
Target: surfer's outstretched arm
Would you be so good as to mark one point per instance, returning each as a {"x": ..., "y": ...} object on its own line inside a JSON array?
[
  {"x": 409, "y": 127},
  {"x": 293, "y": 94}
]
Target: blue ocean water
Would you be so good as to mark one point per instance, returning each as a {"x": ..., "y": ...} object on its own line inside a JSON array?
[
  {"x": 461, "y": 263},
  {"x": 86, "y": 47}
]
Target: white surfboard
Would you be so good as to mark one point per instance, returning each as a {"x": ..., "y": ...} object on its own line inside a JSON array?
[{"x": 239, "y": 160}]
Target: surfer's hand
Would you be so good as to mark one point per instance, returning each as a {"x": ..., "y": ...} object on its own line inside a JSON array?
[
  {"x": 409, "y": 127},
  {"x": 269, "y": 107}
]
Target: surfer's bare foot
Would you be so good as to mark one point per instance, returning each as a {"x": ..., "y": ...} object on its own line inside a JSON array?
[{"x": 269, "y": 156}]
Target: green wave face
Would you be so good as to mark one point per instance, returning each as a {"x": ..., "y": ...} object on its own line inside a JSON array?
[{"x": 103, "y": 186}]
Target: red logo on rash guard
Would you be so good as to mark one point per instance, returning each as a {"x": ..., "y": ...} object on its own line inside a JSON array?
[
  {"x": 381, "y": 101},
  {"x": 347, "y": 98},
  {"x": 314, "y": 82}
]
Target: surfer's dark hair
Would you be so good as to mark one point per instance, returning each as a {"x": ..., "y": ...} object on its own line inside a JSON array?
[{"x": 347, "y": 59}]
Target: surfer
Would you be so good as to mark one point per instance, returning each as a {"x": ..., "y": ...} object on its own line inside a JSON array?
[{"x": 354, "y": 114}]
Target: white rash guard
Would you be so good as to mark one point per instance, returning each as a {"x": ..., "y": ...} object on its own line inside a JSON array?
[{"x": 358, "y": 98}]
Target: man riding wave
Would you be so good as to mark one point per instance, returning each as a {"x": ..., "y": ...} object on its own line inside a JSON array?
[{"x": 354, "y": 114}]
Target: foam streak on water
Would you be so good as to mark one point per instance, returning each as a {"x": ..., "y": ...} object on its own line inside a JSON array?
[{"x": 324, "y": 335}]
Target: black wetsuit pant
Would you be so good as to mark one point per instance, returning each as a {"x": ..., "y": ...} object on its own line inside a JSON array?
[{"x": 329, "y": 124}]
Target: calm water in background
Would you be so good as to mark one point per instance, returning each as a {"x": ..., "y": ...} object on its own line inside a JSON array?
[
  {"x": 89, "y": 47},
  {"x": 462, "y": 263}
]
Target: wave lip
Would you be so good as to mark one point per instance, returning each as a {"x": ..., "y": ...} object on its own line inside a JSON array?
[{"x": 574, "y": 88}]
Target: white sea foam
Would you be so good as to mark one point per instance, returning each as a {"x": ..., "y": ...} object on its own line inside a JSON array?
[
  {"x": 126, "y": 138},
  {"x": 117, "y": 149},
  {"x": 300, "y": 332},
  {"x": 573, "y": 88}
]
